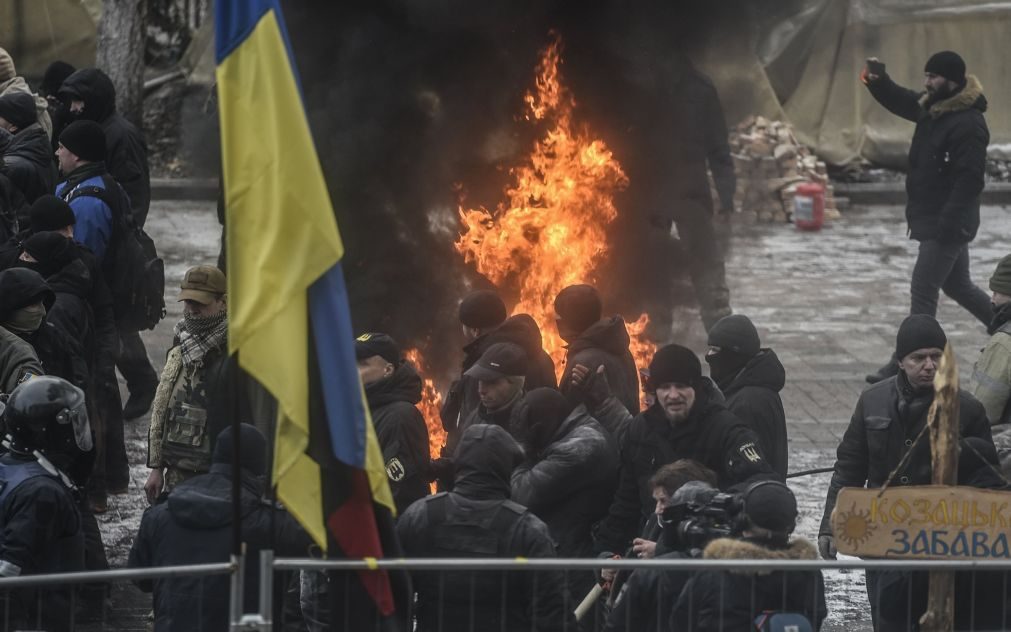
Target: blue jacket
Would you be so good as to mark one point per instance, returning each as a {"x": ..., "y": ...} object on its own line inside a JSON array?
[{"x": 93, "y": 215}]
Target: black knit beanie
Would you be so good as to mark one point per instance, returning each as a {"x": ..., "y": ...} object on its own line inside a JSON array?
[
  {"x": 948, "y": 64},
  {"x": 50, "y": 248},
  {"x": 771, "y": 505},
  {"x": 252, "y": 446},
  {"x": 1001, "y": 279},
  {"x": 18, "y": 108},
  {"x": 579, "y": 306},
  {"x": 49, "y": 212},
  {"x": 674, "y": 364},
  {"x": 482, "y": 309},
  {"x": 735, "y": 333},
  {"x": 85, "y": 139},
  {"x": 55, "y": 75},
  {"x": 919, "y": 331}
]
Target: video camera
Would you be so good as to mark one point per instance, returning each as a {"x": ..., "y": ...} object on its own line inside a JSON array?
[{"x": 690, "y": 525}]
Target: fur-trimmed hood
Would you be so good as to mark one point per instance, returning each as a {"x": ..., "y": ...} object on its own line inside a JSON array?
[
  {"x": 732, "y": 549},
  {"x": 968, "y": 97}
]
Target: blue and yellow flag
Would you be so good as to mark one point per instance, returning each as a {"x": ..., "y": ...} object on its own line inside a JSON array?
[{"x": 288, "y": 309}]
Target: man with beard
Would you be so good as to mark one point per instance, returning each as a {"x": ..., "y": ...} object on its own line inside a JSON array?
[
  {"x": 751, "y": 379},
  {"x": 947, "y": 162},
  {"x": 688, "y": 421},
  {"x": 27, "y": 158},
  {"x": 594, "y": 341},
  {"x": 393, "y": 389},
  {"x": 889, "y": 417},
  {"x": 90, "y": 96},
  {"x": 202, "y": 388},
  {"x": 99, "y": 205}
]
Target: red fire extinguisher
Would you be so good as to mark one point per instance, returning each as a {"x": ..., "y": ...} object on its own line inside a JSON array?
[{"x": 809, "y": 206}]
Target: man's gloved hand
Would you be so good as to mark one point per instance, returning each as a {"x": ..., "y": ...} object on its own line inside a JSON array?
[
  {"x": 826, "y": 547},
  {"x": 593, "y": 387},
  {"x": 441, "y": 468}
]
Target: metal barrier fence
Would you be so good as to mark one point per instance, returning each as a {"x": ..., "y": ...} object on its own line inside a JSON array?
[
  {"x": 724, "y": 594},
  {"x": 529, "y": 594}
]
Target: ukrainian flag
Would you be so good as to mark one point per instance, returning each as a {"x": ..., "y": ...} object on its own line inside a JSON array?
[{"x": 288, "y": 308}]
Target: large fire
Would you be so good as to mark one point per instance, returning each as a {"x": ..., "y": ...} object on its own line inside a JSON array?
[{"x": 551, "y": 230}]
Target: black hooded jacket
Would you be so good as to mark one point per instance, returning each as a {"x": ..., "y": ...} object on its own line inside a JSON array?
[
  {"x": 718, "y": 601},
  {"x": 569, "y": 484},
  {"x": 604, "y": 343},
  {"x": 402, "y": 433},
  {"x": 477, "y": 519},
  {"x": 753, "y": 396},
  {"x": 711, "y": 435},
  {"x": 28, "y": 161},
  {"x": 520, "y": 329},
  {"x": 887, "y": 419},
  {"x": 947, "y": 158},
  {"x": 194, "y": 526},
  {"x": 60, "y": 354},
  {"x": 125, "y": 149}
]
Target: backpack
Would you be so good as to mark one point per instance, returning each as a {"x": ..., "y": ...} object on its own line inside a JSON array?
[
  {"x": 770, "y": 621},
  {"x": 134, "y": 271}
]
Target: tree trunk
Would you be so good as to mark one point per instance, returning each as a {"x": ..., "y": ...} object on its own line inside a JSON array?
[
  {"x": 121, "y": 54},
  {"x": 943, "y": 420}
]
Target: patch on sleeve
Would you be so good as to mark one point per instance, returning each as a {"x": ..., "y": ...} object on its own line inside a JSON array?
[
  {"x": 27, "y": 375},
  {"x": 750, "y": 451},
  {"x": 395, "y": 470}
]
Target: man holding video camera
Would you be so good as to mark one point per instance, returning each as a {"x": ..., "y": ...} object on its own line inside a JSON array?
[{"x": 761, "y": 520}]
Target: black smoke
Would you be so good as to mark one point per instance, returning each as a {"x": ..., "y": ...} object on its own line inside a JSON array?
[{"x": 410, "y": 100}]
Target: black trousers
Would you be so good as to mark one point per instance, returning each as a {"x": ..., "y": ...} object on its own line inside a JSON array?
[
  {"x": 134, "y": 364},
  {"x": 944, "y": 267}
]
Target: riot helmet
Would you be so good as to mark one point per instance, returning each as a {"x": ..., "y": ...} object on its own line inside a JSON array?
[{"x": 48, "y": 414}]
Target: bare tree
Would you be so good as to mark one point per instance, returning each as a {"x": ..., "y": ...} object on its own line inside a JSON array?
[{"x": 121, "y": 54}]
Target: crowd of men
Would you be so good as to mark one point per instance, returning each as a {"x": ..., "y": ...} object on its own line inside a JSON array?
[{"x": 533, "y": 466}]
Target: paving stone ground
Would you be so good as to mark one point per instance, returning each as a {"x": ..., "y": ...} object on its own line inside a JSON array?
[{"x": 828, "y": 303}]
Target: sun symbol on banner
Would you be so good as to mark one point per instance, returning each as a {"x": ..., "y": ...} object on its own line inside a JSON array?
[{"x": 856, "y": 526}]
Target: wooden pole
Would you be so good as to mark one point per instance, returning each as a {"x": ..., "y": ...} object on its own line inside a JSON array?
[{"x": 944, "y": 434}]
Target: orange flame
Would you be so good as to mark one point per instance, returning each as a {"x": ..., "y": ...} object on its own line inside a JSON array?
[
  {"x": 551, "y": 231},
  {"x": 430, "y": 405}
]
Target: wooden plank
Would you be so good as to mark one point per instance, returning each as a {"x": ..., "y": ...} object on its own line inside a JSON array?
[{"x": 923, "y": 522}]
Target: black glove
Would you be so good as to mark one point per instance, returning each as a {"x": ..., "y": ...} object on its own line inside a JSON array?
[
  {"x": 826, "y": 547},
  {"x": 594, "y": 388},
  {"x": 441, "y": 469}
]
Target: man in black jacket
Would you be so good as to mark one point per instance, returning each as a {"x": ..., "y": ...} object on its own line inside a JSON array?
[
  {"x": 194, "y": 526},
  {"x": 90, "y": 95},
  {"x": 593, "y": 341},
  {"x": 477, "y": 519},
  {"x": 751, "y": 378},
  {"x": 393, "y": 389},
  {"x": 483, "y": 317},
  {"x": 947, "y": 162},
  {"x": 568, "y": 475},
  {"x": 24, "y": 300},
  {"x": 42, "y": 528},
  {"x": 729, "y": 600},
  {"x": 28, "y": 159},
  {"x": 686, "y": 422},
  {"x": 888, "y": 418}
]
